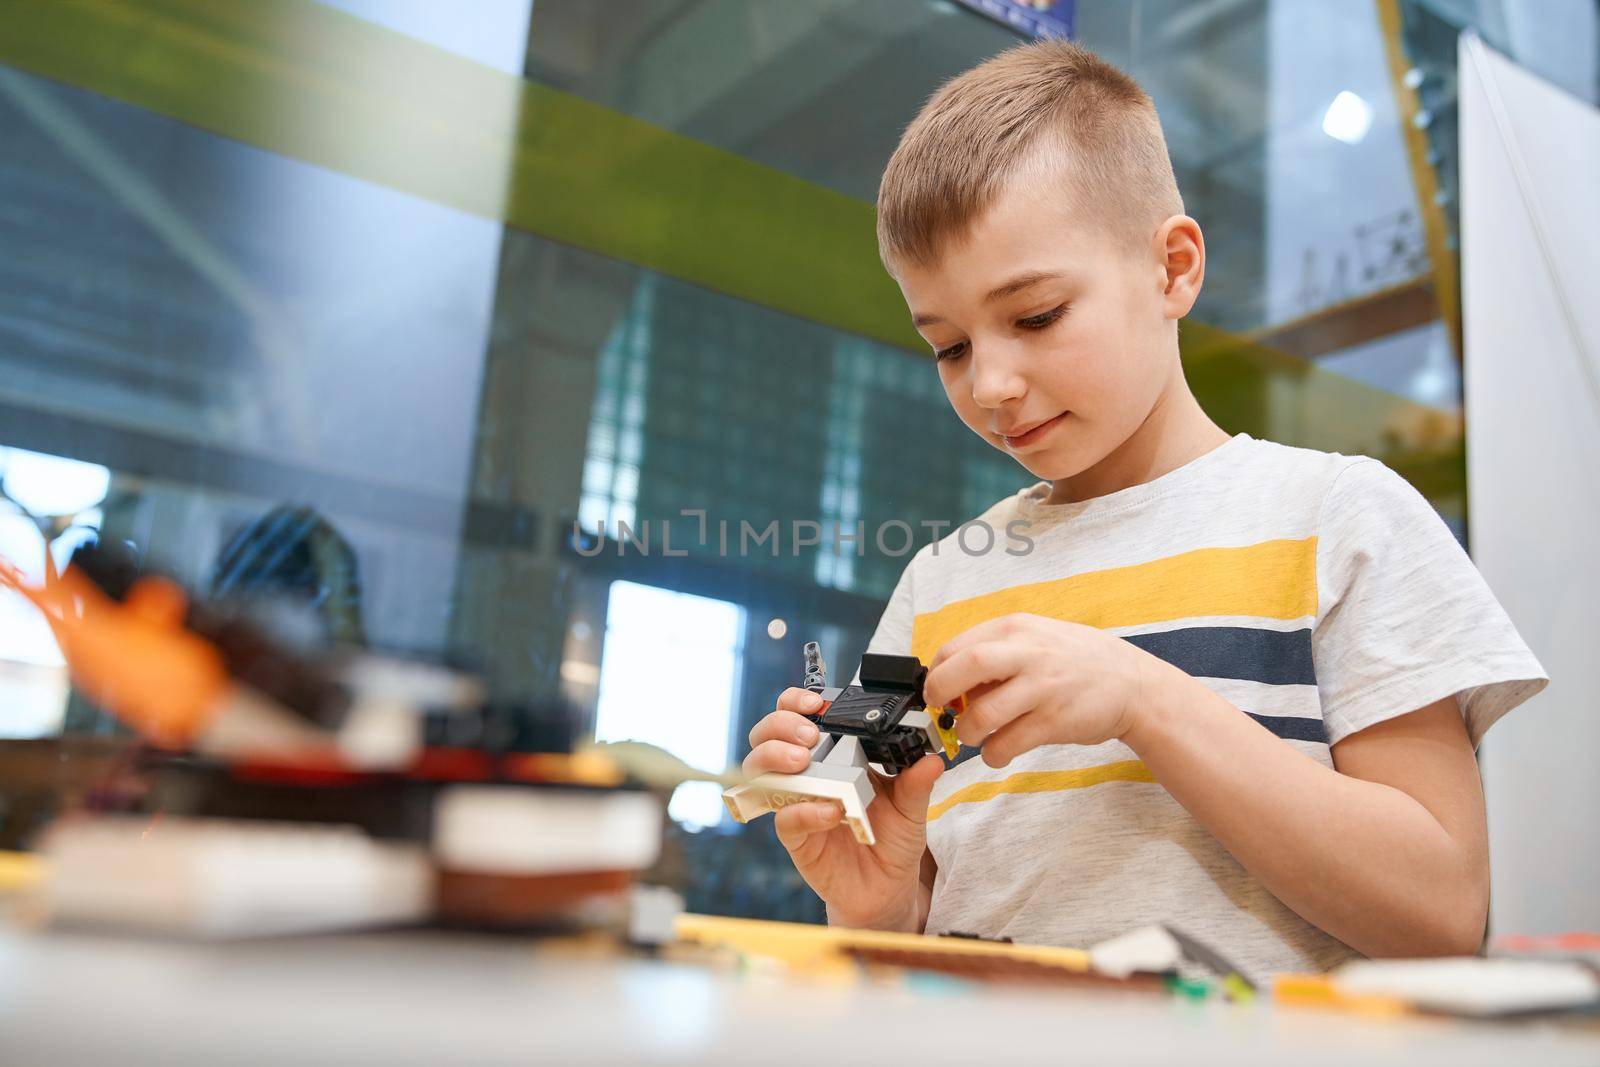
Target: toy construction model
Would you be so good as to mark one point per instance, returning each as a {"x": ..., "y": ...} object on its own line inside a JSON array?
[{"x": 882, "y": 722}]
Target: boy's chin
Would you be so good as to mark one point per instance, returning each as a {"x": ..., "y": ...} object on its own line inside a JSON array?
[{"x": 1049, "y": 467}]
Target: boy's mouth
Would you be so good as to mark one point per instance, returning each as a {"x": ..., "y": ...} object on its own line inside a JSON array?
[{"x": 1029, "y": 435}]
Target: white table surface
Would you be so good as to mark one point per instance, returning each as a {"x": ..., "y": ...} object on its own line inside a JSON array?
[{"x": 436, "y": 998}]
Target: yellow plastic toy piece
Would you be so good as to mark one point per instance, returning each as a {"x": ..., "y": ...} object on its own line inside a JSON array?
[
  {"x": 946, "y": 737},
  {"x": 1320, "y": 991},
  {"x": 952, "y": 744},
  {"x": 807, "y": 945}
]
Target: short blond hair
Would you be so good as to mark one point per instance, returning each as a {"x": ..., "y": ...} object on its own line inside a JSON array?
[{"x": 988, "y": 126}]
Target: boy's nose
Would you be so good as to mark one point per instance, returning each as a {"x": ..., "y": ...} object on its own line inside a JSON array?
[{"x": 995, "y": 381}]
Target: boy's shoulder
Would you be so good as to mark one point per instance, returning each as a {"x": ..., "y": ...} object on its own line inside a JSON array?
[
  {"x": 1241, "y": 466},
  {"x": 1253, "y": 459},
  {"x": 1244, "y": 481},
  {"x": 1332, "y": 481}
]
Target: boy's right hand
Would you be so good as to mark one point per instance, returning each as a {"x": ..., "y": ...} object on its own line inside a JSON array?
[{"x": 877, "y": 887}]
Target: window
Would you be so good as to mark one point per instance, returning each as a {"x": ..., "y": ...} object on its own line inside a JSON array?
[{"x": 669, "y": 676}]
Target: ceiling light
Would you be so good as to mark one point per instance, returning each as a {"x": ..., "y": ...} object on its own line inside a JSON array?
[{"x": 1348, "y": 118}]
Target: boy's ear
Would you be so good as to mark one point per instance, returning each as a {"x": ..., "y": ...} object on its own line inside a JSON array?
[{"x": 1180, "y": 249}]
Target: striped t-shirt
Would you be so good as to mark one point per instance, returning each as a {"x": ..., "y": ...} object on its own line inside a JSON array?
[{"x": 1318, "y": 593}]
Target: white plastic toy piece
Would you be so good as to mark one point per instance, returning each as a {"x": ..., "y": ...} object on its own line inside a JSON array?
[
  {"x": 838, "y": 772},
  {"x": 1149, "y": 948}
]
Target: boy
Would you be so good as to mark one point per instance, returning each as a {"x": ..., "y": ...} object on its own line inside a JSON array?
[{"x": 1234, "y": 686}]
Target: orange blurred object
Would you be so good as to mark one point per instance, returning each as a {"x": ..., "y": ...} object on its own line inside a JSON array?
[{"x": 135, "y": 659}]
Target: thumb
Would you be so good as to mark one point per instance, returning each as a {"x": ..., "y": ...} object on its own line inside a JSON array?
[{"x": 913, "y": 786}]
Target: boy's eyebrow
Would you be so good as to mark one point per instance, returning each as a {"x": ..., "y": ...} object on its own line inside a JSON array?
[
  {"x": 1019, "y": 283},
  {"x": 1000, "y": 292}
]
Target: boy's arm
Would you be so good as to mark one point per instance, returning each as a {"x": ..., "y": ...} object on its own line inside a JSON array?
[{"x": 1388, "y": 853}]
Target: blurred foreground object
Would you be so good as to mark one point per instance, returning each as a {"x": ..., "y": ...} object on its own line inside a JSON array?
[
  {"x": 1468, "y": 985},
  {"x": 1161, "y": 959},
  {"x": 224, "y": 878},
  {"x": 296, "y": 790},
  {"x": 187, "y": 673},
  {"x": 1177, "y": 965}
]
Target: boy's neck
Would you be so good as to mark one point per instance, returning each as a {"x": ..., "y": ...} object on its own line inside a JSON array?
[{"x": 1176, "y": 431}]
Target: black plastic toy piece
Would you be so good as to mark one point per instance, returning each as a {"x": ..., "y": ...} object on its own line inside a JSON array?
[{"x": 872, "y": 711}]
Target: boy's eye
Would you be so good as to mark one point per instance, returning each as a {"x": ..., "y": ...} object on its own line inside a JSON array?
[
  {"x": 951, "y": 352},
  {"x": 1043, "y": 319}
]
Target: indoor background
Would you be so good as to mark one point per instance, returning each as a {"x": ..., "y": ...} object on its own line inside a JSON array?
[{"x": 644, "y": 283}]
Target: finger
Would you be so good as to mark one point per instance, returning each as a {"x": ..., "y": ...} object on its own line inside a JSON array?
[
  {"x": 989, "y": 661},
  {"x": 988, "y": 630},
  {"x": 776, "y": 757},
  {"x": 908, "y": 791},
  {"x": 977, "y": 692},
  {"x": 796, "y": 699},
  {"x": 993, "y": 709},
  {"x": 798, "y": 824},
  {"x": 1019, "y": 736},
  {"x": 784, "y": 726}
]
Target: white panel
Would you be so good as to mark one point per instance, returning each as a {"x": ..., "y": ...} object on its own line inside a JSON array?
[{"x": 1530, "y": 166}]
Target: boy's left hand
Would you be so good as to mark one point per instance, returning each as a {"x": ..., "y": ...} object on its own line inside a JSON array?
[{"x": 1032, "y": 681}]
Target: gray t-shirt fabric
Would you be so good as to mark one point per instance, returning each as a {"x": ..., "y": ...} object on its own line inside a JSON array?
[{"x": 1318, "y": 593}]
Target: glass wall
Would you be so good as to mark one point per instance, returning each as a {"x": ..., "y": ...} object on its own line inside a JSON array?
[{"x": 431, "y": 290}]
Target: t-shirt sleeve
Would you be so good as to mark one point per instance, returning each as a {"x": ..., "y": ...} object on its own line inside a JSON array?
[{"x": 1403, "y": 617}]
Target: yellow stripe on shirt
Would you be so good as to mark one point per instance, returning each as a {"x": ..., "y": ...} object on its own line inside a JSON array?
[
  {"x": 1270, "y": 580},
  {"x": 1044, "y": 782}
]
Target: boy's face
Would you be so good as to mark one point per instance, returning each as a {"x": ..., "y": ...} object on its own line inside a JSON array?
[{"x": 1053, "y": 340}]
